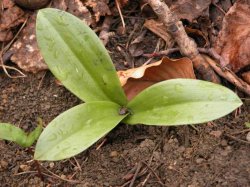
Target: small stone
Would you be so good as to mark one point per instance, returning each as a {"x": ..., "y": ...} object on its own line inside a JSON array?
[
  {"x": 114, "y": 154},
  {"x": 224, "y": 143},
  {"x": 106, "y": 184},
  {"x": 24, "y": 167},
  {"x": 188, "y": 153},
  {"x": 248, "y": 137},
  {"x": 3, "y": 164},
  {"x": 199, "y": 160},
  {"x": 181, "y": 149},
  {"x": 216, "y": 134},
  {"x": 51, "y": 165},
  {"x": 226, "y": 151},
  {"x": 63, "y": 176}
]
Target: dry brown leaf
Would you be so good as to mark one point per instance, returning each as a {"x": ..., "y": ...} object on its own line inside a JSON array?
[
  {"x": 59, "y": 4},
  {"x": 5, "y": 36},
  {"x": 199, "y": 36},
  {"x": 100, "y": 8},
  {"x": 75, "y": 7},
  {"x": 123, "y": 2},
  {"x": 246, "y": 77},
  {"x": 11, "y": 17},
  {"x": 233, "y": 43},
  {"x": 190, "y": 9},
  {"x": 25, "y": 50},
  {"x": 160, "y": 30},
  {"x": 137, "y": 79},
  {"x": 7, "y": 4}
]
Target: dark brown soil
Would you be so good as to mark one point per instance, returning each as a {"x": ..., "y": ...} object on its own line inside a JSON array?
[
  {"x": 211, "y": 154},
  {"x": 179, "y": 156}
]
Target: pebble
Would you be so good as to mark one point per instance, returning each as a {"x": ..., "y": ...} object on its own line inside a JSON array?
[
  {"x": 216, "y": 134},
  {"x": 113, "y": 154},
  {"x": 24, "y": 167},
  {"x": 199, "y": 160},
  {"x": 226, "y": 151},
  {"x": 63, "y": 176},
  {"x": 3, "y": 164},
  {"x": 248, "y": 137},
  {"x": 181, "y": 149},
  {"x": 51, "y": 165},
  {"x": 224, "y": 143}
]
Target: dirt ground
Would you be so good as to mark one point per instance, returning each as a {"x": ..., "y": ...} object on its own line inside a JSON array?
[{"x": 211, "y": 154}]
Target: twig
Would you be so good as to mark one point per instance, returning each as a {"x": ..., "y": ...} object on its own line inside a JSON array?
[
  {"x": 240, "y": 132},
  {"x": 158, "y": 178},
  {"x": 105, "y": 34},
  {"x": 25, "y": 172},
  {"x": 135, "y": 175},
  {"x": 37, "y": 165},
  {"x": 161, "y": 53},
  {"x": 219, "y": 8},
  {"x": 237, "y": 139},
  {"x": 101, "y": 144},
  {"x": 230, "y": 76},
  {"x": 187, "y": 46},
  {"x": 219, "y": 67},
  {"x": 146, "y": 179},
  {"x": 40, "y": 82},
  {"x": 58, "y": 177},
  {"x": 77, "y": 163},
  {"x": 120, "y": 13},
  {"x": 13, "y": 39},
  {"x": 5, "y": 49}
]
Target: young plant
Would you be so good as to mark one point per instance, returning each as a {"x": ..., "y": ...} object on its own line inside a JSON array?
[
  {"x": 76, "y": 56},
  {"x": 12, "y": 133}
]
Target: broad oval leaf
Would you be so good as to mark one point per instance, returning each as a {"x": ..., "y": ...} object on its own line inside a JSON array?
[
  {"x": 181, "y": 101},
  {"x": 76, "y": 129},
  {"x": 12, "y": 133},
  {"x": 76, "y": 56}
]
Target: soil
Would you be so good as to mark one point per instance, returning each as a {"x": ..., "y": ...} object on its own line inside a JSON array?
[{"x": 211, "y": 154}]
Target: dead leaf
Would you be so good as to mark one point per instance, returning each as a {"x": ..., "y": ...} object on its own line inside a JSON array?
[
  {"x": 6, "y": 35},
  {"x": 25, "y": 50},
  {"x": 75, "y": 7},
  {"x": 233, "y": 43},
  {"x": 7, "y": 4},
  {"x": 136, "y": 46},
  {"x": 199, "y": 36},
  {"x": 123, "y": 2},
  {"x": 190, "y": 9},
  {"x": 59, "y": 4},
  {"x": 11, "y": 17},
  {"x": 137, "y": 79},
  {"x": 160, "y": 30},
  {"x": 246, "y": 77},
  {"x": 99, "y": 7}
]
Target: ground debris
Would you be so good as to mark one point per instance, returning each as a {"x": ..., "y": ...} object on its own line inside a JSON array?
[
  {"x": 99, "y": 7},
  {"x": 233, "y": 42},
  {"x": 25, "y": 50},
  {"x": 189, "y": 9},
  {"x": 10, "y": 17}
]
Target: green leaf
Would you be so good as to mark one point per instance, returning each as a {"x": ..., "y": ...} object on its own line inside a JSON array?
[
  {"x": 17, "y": 135},
  {"x": 76, "y": 129},
  {"x": 77, "y": 57},
  {"x": 181, "y": 101}
]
